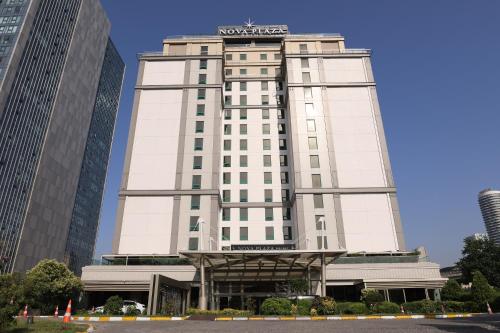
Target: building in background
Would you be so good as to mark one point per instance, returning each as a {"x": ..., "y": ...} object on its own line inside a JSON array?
[
  {"x": 489, "y": 202},
  {"x": 259, "y": 157},
  {"x": 60, "y": 83}
]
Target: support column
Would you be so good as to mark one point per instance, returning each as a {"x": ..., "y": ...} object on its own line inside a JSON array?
[
  {"x": 203, "y": 297},
  {"x": 309, "y": 286},
  {"x": 188, "y": 298},
  {"x": 212, "y": 296},
  {"x": 404, "y": 295},
  {"x": 426, "y": 294},
  {"x": 323, "y": 275}
]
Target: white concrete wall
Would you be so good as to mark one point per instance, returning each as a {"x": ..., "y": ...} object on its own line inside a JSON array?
[
  {"x": 344, "y": 70},
  {"x": 163, "y": 72}
]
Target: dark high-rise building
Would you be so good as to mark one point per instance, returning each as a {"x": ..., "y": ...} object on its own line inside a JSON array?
[{"x": 60, "y": 84}]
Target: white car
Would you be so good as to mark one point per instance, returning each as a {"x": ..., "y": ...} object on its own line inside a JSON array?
[{"x": 126, "y": 303}]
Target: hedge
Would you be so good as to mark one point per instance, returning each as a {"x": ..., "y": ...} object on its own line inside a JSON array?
[
  {"x": 352, "y": 308},
  {"x": 304, "y": 307},
  {"x": 225, "y": 312},
  {"x": 276, "y": 306},
  {"x": 386, "y": 307},
  {"x": 324, "y": 305}
]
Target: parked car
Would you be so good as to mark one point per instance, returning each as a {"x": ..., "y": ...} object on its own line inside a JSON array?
[{"x": 126, "y": 303}]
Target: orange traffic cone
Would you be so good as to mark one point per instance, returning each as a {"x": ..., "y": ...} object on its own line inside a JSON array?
[
  {"x": 67, "y": 315},
  {"x": 25, "y": 312},
  {"x": 56, "y": 313}
]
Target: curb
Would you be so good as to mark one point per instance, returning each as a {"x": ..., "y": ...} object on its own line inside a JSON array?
[{"x": 105, "y": 318}]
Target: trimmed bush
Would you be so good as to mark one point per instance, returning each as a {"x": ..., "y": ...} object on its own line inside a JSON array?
[
  {"x": 453, "y": 306},
  {"x": 276, "y": 306},
  {"x": 304, "y": 307},
  {"x": 424, "y": 306},
  {"x": 324, "y": 305},
  {"x": 371, "y": 296},
  {"x": 113, "y": 305},
  {"x": 452, "y": 291},
  {"x": 386, "y": 307},
  {"x": 351, "y": 308},
  {"x": 225, "y": 312}
]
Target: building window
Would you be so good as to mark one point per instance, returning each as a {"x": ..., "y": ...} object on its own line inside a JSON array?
[
  {"x": 264, "y": 85},
  {"x": 266, "y": 129},
  {"x": 263, "y": 71},
  {"x": 228, "y": 86},
  {"x": 269, "y": 213},
  {"x": 243, "y": 144},
  {"x": 197, "y": 162},
  {"x": 195, "y": 202},
  {"x": 316, "y": 181},
  {"x": 320, "y": 246},
  {"x": 283, "y": 160},
  {"x": 314, "y": 161},
  {"x": 243, "y": 178},
  {"x": 193, "y": 244},
  {"x": 200, "y": 110},
  {"x": 265, "y": 99},
  {"x": 229, "y": 71},
  {"x": 243, "y": 99},
  {"x": 203, "y": 64},
  {"x": 204, "y": 50},
  {"x": 200, "y": 125},
  {"x": 243, "y": 195},
  {"x": 269, "y": 233},
  {"x": 306, "y": 77},
  {"x": 285, "y": 195},
  {"x": 226, "y": 214},
  {"x": 202, "y": 78},
  {"x": 243, "y": 114},
  {"x": 268, "y": 195},
  {"x": 266, "y": 144},
  {"x": 277, "y": 56},
  {"x": 243, "y": 161},
  {"x": 226, "y": 195},
  {"x": 198, "y": 144},
  {"x": 227, "y": 129},
  {"x": 304, "y": 62},
  {"x": 281, "y": 113},
  {"x": 243, "y": 233},
  {"x": 308, "y": 93},
  {"x": 303, "y": 48},
  {"x": 227, "y": 144},
  {"x": 310, "y": 109},
  {"x": 268, "y": 178},
  {"x": 267, "y": 160},
  {"x": 196, "y": 183},
  {"x": 226, "y": 178},
  {"x": 282, "y": 143},
  {"x": 193, "y": 223},
  {"x": 229, "y": 56},
  {"x": 226, "y": 233},
  {"x": 228, "y": 100},
  {"x": 284, "y": 177},
  {"x": 243, "y": 129},
  {"x": 265, "y": 114},
  {"x": 227, "y": 161},
  {"x": 243, "y": 56},
  {"x": 279, "y": 85},
  {"x": 277, "y": 71},
  {"x": 243, "y": 214},
  {"x": 201, "y": 93},
  {"x": 311, "y": 125},
  {"x": 287, "y": 233},
  {"x": 281, "y": 128},
  {"x": 263, "y": 56},
  {"x": 318, "y": 200},
  {"x": 227, "y": 114},
  {"x": 319, "y": 224},
  {"x": 243, "y": 86},
  {"x": 243, "y": 71},
  {"x": 313, "y": 143},
  {"x": 286, "y": 213}
]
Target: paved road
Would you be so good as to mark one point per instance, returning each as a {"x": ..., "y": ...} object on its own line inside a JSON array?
[{"x": 487, "y": 324}]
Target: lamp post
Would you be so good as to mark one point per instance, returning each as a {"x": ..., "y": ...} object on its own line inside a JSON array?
[
  {"x": 321, "y": 220},
  {"x": 200, "y": 223}
]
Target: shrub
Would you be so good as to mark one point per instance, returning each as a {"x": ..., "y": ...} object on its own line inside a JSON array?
[
  {"x": 386, "y": 307},
  {"x": 324, "y": 305},
  {"x": 7, "y": 315},
  {"x": 225, "y": 312},
  {"x": 113, "y": 305},
  {"x": 424, "y": 306},
  {"x": 276, "y": 306},
  {"x": 352, "y": 308},
  {"x": 371, "y": 296},
  {"x": 452, "y": 291},
  {"x": 304, "y": 307},
  {"x": 495, "y": 304},
  {"x": 132, "y": 311},
  {"x": 481, "y": 291},
  {"x": 453, "y": 306}
]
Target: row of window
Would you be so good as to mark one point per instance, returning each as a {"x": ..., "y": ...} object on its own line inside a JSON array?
[
  {"x": 228, "y": 114},
  {"x": 266, "y": 129},
  {"x": 226, "y": 161},
  {"x": 264, "y": 86},
  {"x": 268, "y": 194},
  {"x": 266, "y": 144},
  {"x": 243, "y": 56},
  {"x": 244, "y": 71},
  {"x": 318, "y": 203},
  {"x": 228, "y": 100},
  {"x": 243, "y": 212}
]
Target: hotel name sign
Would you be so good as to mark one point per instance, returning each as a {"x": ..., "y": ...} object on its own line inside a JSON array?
[{"x": 253, "y": 30}]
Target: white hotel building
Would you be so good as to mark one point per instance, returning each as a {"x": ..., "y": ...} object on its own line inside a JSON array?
[{"x": 256, "y": 156}]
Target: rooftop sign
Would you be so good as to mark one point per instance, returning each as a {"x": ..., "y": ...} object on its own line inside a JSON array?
[{"x": 249, "y": 29}]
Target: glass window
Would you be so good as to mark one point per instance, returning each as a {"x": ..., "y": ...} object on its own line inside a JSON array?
[
  {"x": 227, "y": 129},
  {"x": 267, "y": 160},
  {"x": 243, "y": 56},
  {"x": 277, "y": 56},
  {"x": 320, "y": 225},
  {"x": 227, "y": 161},
  {"x": 201, "y": 93},
  {"x": 204, "y": 49},
  {"x": 281, "y": 128},
  {"x": 265, "y": 99},
  {"x": 285, "y": 195},
  {"x": 268, "y": 178},
  {"x": 226, "y": 195},
  {"x": 203, "y": 64},
  {"x": 268, "y": 195},
  {"x": 226, "y": 214},
  {"x": 243, "y": 195},
  {"x": 306, "y": 77},
  {"x": 303, "y": 48},
  {"x": 310, "y": 109},
  {"x": 281, "y": 113},
  {"x": 243, "y": 99},
  {"x": 279, "y": 85},
  {"x": 265, "y": 114},
  {"x": 311, "y": 125},
  {"x": 304, "y": 62},
  {"x": 269, "y": 213},
  {"x": 318, "y": 200},
  {"x": 228, "y": 86},
  {"x": 228, "y": 100},
  {"x": 283, "y": 160},
  {"x": 277, "y": 71},
  {"x": 193, "y": 223},
  {"x": 243, "y": 144},
  {"x": 266, "y": 144},
  {"x": 316, "y": 180},
  {"x": 227, "y": 114},
  {"x": 226, "y": 178},
  {"x": 202, "y": 78},
  {"x": 266, "y": 129},
  {"x": 243, "y": 129},
  {"x": 313, "y": 143},
  {"x": 243, "y": 161},
  {"x": 287, "y": 233},
  {"x": 243, "y": 214},
  {"x": 284, "y": 177},
  {"x": 227, "y": 144},
  {"x": 263, "y": 71},
  {"x": 200, "y": 110},
  {"x": 243, "y": 71},
  {"x": 193, "y": 244},
  {"x": 197, "y": 162},
  {"x": 229, "y": 71},
  {"x": 200, "y": 125},
  {"x": 226, "y": 233},
  {"x": 263, "y": 56},
  {"x": 264, "y": 85},
  {"x": 286, "y": 213},
  {"x": 198, "y": 144},
  {"x": 196, "y": 184},
  {"x": 308, "y": 93},
  {"x": 243, "y": 233},
  {"x": 320, "y": 246},
  {"x": 195, "y": 202},
  {"x": 269, "y": 233},
  {"x": 282, "y": 143},
  {"x": 243, "y": 86},
  {"x": 229, "y": 56},
  {"x": 314, "y": 161},
  {"x": 243, "y": 178},
  {"x": 243, "y": 114}
]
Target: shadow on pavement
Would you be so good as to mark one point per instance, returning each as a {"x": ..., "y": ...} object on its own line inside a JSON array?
[{"x": 480, "y": 324}]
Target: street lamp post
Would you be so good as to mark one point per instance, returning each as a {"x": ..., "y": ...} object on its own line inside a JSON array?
[{"x": 200, "y": 223}]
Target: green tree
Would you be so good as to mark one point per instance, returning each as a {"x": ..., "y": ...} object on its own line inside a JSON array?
[
  {"x": 481, "y": 255},
  {"x": 11, "y": 297},
  {"x": 51, "y": 283},
  {"x": 452, "y": 291},
  {"x": 481, "y": 291},
  {"x": 371, "y": 296},
  {"x": 114, "y": 305}
]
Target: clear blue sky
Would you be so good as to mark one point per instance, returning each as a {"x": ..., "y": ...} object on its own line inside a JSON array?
[{"x": 437, "y": 69}]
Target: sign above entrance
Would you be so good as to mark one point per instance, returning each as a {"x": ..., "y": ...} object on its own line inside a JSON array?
[
  {"x": 249, "y": 29},
  {"x": 262, "y": 247}
]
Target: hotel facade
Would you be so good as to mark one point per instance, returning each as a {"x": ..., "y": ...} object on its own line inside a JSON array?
[{"x": 256, "y": 157}]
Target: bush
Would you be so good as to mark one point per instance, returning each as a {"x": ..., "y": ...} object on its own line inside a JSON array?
[
  {"x": 481, "y": 291},
  {"x": 371, "y": 296},
  {"x": 424, "y": 306},
  {"x": 225, "y": 312},
  {"x": 7, "y": 315},
  {"x": 304, "y": 307},
  {"x": 351, "y": 308},
  {"x": 276, "y": 306},
  {"x": 495, "y": 304},
  {"x": 132, "y": 311},
  {"x": 324, "y": 305},
  {"x": 113, "y": 305},
  {"x": 453, "y": 306},
  {"x": 386, "y": 307},
  {"x": 452, "y": 291}
]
